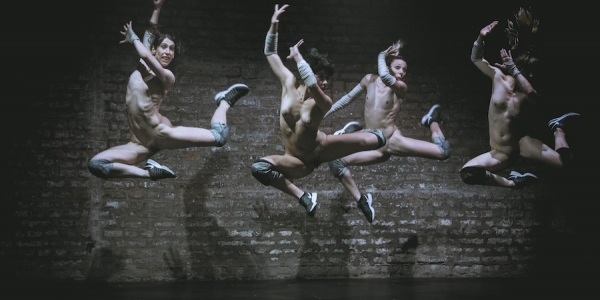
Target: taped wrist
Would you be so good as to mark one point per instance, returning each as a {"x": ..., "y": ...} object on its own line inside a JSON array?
[
  {"x": 306, "y": 73},
  {"x": 130, "y": 36},
  {"x": 356, "y": 91},
  {"x": 148, "y": 39},
  {"x": 271, "y": 43},
  {"x": 384, "y": 72},
  {"x": 512, "y": 68},
  {"x": 477, "y": 51}
]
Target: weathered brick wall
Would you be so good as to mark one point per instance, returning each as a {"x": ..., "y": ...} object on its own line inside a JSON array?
[{"x": 215, "y": 221}]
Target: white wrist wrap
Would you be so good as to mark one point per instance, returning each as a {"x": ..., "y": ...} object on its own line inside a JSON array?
[
  {"x": 477, "y": 52},
  {"x": 306, "y": 73},
  {"x": 271, "y": 44},
  {"x": 384, "y": 72},
  {"x": 148, "y": 39}
]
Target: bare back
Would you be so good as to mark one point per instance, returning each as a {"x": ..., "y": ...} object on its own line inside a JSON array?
[{"x": 382, "y": 105}]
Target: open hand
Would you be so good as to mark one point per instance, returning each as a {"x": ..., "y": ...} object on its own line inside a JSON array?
[
  {"x": 294, "y": 51},
  {"x": 487, "y": 29},
  {"x": 278, "y": 11}
]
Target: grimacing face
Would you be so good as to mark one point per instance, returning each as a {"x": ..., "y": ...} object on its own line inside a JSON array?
[
  {"x": 398, "y": 69},
  {"x": 165, "y": 52}
]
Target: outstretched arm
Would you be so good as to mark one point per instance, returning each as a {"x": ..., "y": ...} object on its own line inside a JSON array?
[
  {"x": 166, "y": 76},
  {"x": 509, "y": 67},
  {"x": 285, "y": 76},
  {"x": 477, "y": 51},
  {"x": 322, "y": 100},
  {"x": 358, "y": 90}
]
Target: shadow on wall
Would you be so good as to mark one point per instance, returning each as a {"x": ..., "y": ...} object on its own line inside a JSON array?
[
  {"x": 104, "y": 264},
  {"x": 215, "y": 252}
]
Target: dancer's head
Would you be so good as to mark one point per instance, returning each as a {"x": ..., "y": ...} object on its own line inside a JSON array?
[
  {"x": 164, "y": 48},
  {"x": 320, "y": 65},
  {"x": 395, "y": 62},
  {"x": 521, "y": 32}
]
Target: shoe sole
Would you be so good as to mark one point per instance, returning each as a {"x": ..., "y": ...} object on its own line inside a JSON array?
[
  {"x": 554, "y": 121},
  {"x": 343, "y": 130},
  {"x": 220, "y": 95},
  {"x": 428, "y": 115}
]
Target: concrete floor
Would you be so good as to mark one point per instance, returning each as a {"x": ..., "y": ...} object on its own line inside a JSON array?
[{"x": 346, "y": 289}]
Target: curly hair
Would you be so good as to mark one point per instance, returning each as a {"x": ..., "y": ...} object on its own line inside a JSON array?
[
  {"x": 521, "y": 33},
  {"x": 395, "y": 52},
  {"x": 318, "y": 62}
]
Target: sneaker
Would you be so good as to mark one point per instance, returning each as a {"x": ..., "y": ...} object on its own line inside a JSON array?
[
  {"x": 432, "y": 116},
  {"x": 523, "y": 180},
  {"x": 232, "y": 94},
  {"x": 309, "y": 201},
  {"x": 560, "y": 121},
  {"x": 158, "y": 171},
  {"x": 365, "y": 203},
  {"x": 349, "y": 128}
]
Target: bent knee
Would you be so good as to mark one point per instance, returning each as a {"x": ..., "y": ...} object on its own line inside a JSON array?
[
  {"x": 220, "y": 131},
  {"x": 473, "y": 175},
  {"x": 444, "y": 147},
  {"x": 100, "y": 167},
  {"x": 264, "y": 172}
]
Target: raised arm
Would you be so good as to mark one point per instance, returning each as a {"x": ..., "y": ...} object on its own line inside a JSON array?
[
  {"x": 285, "y": 76},
  {"x": 477, "y": 51},
  {"x": 398, "y": 86},
  {"x": 322, "y": 100},
  {"x": 164, "y": 75},
  {"x": 149, "y": 34},
  {"x": 358, "y": 90},
  {"x": 509, "y": 67}
]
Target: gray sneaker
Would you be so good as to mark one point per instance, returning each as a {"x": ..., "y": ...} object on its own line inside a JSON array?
[
  {"x": 349, "y": 128},
  {"x": 560, "y": 121},
  {"x": 309, "y": 201},
  {"x": 365, "y": 203},
  {"x": 232, "y": 94},
  {"x": 158, "y": 171},
  {"x": 432, "y": 116},
  {"x": 523, "y": 180}
]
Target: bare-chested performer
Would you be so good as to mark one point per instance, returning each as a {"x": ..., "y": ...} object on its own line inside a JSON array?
[
  {"x": 302, "y": 109},
  {"x": 150, "y": 131},
  {"x": 384, "y": 95},
  {"x": 511, "y": 98}
]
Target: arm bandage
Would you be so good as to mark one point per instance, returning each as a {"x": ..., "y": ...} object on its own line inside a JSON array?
[
  {"x": 356, "y": 91},
  {"x": 130, "y": 36},
  {"x": 512, "y": 69},
  {"x": 271, "y": 44},
  {"x": 306, "y": 73},
  {"x": 384, "y": 72},
  {"x": 477, "y": 52},
  {"x": 148, "y": 39}
]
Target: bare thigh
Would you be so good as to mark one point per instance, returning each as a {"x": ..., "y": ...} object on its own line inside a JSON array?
[
  {"x": 535, "y": 150},
  {"x": 289, "y": 166},
  {"x": 491, "y": 161},
  {"x": 130, "y": 153},
  {"x": 400, "y": 145}
]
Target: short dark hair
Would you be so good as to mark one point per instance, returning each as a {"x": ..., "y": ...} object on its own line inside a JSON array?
[{"x": 318, "y": 62}]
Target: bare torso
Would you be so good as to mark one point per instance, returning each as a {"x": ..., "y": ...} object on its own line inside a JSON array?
[
  {"x": 505, "y": 114},
  {"x": 143, "y": 100},
  {"x": 381, "y": 106},
  {"x": 299, "y": 123}
]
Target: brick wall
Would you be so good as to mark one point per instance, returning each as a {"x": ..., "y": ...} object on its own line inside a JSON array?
[{"x": 215, "y": 221}]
